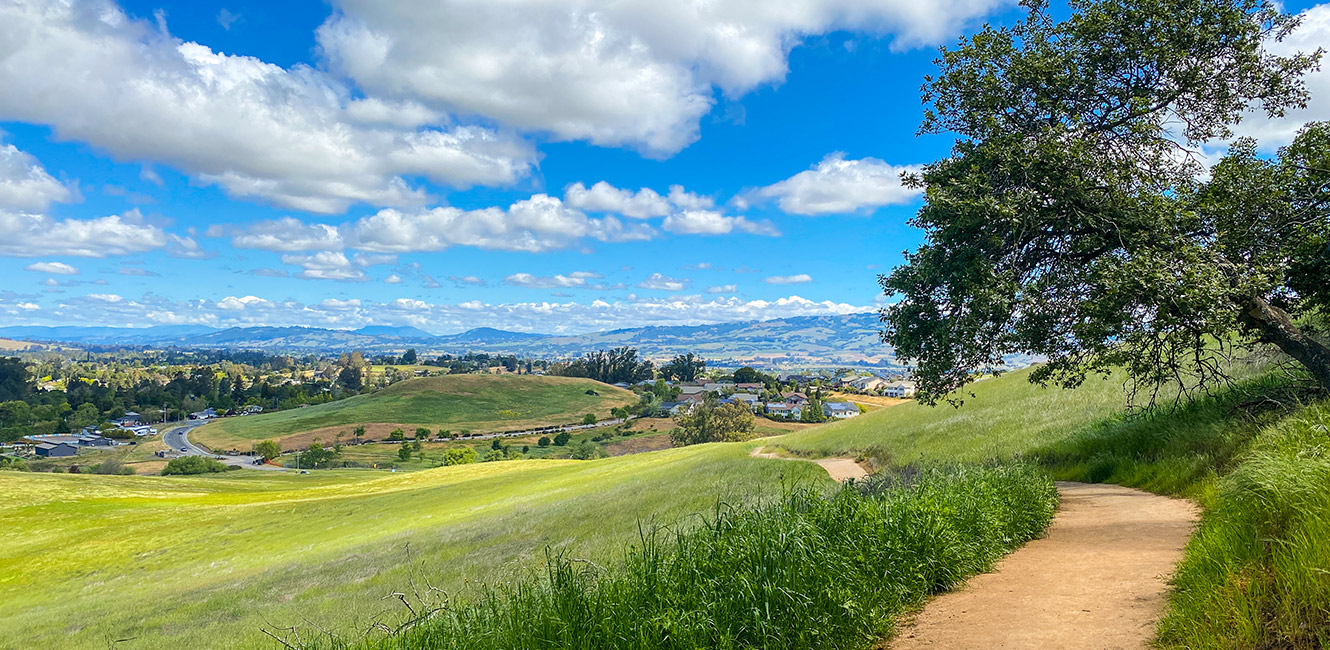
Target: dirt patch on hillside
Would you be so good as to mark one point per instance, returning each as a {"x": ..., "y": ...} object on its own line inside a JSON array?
[
  {"x": 1096, "y": 581},
  {"x": 839, "y": 469},
  {"x": 639, "y": 444}
]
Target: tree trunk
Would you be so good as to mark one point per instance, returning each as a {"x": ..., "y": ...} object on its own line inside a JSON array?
[{"x": 1275, "y": 326}]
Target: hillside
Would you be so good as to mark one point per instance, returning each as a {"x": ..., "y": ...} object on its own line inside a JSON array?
[{"x": 479, "y": 403}]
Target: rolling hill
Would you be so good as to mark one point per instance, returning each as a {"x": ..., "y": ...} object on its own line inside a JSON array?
[{"x": 479, "y": 403}]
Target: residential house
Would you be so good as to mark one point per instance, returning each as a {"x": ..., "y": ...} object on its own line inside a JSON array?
[
  {"x": 868, "y": 384},
  {"x": 785, "y": 410},
  {"x": 693, "y": 398},
  {"x": 899, "y": 389},
  {"x": 675, "y": 408},
  {"x": 750, "y": 386},
  {"x": 691, "y": 389},
  {"x": 840, "y": 410},
  {"x": 798, "y": 399},
  {"x": 205, "y": 414},
  {"x": 56, "y": 449},
  {"x": 130, "y": 419},
  {"x": 747, "y": 399}
]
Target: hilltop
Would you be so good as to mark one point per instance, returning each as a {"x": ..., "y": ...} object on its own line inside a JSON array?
[{"x": 477, "y": 403}]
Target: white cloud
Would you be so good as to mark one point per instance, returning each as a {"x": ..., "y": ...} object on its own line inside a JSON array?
[
  {"x": 840, "y": 186},
  {"x": 36, "y": 235},
  {"x": 710, "y": 222},
  {"x": 232, "y": 303},
  {"x": 725, "y": 288},
  {"x": 466, "y": 281},
  {"x": 576, "y": 279},
  {"x": 539, "y": 223},
  {"x": 334, "y": 304},
  {"x": 325, "y": 265},
  {"x": 288, "y": 235},
  {"x": 56, "y": 268},
  {"x": 1313, "y": 33},
  {"x": 603, "y": 197},
  {"x": 393, "y": 279},
  {"x": 638, "y": 72},
  {"x": 287, "y": 136},
  {"x": 802, "y": 278},
  {"x": 659, "y": 282},
  {"x": 24, "y": 183}
]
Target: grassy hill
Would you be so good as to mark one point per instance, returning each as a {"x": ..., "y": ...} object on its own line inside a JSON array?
[{"x": 477, "y": 403}]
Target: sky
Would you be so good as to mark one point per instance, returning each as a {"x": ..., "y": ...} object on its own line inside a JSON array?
[{"x": 557, "y": 166}]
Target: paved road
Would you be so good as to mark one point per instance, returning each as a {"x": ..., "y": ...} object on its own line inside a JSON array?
[{"x": 177, "y": 438}]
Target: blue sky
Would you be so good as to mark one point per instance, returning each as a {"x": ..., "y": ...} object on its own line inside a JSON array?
[{"x": 554, "y": 167}]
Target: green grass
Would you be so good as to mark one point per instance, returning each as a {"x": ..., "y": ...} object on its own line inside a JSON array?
[
  {"x": 805, "y": 571},
  {"x": 479, "y": 403},
  {"x": 203, "y": 562}
]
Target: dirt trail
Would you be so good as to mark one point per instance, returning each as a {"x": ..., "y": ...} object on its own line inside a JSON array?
[
  {"x": 1095, "y": 582},
  {"x": 840, "y": 469}
]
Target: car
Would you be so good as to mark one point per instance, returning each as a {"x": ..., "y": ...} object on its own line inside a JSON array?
[{"x": 184, "y": 449}]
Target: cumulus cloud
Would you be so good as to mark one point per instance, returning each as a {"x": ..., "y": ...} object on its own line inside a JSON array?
[
  {"x": 711, "y": 222},
  {"x": 659, "y": 282},
  {"x": 539, "y": 316},
  {"x": 639, "y": 73},
  {"x": 24, "y": 183},
  {"x": 603, "y": 197},
  {"x": 466, "y": 280},
  {"x": 724, "y": 288},
  {"x": 38, "y": 235},
  {"x": 325, "y": 265},
  {"x": 287, "y": 136},
  {"x": 1313, "y": 33},
  {"x": 55, "y": 268},
  {"x": 393, "y": 279},
  {"x": 288, "y": 235},
  {"x": 840, "y": 186},
  {"x": 802, "y": 278}
]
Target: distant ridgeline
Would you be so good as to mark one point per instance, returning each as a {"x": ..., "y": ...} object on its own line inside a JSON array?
[{"x": 849, "y": 340}]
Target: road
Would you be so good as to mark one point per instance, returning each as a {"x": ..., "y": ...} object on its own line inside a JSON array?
[{"x": 177, "y": 438}]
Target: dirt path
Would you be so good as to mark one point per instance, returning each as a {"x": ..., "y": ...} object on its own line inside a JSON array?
[
  {"x": 840, "y": 469},
  {"x": 1095, "y": 582}
]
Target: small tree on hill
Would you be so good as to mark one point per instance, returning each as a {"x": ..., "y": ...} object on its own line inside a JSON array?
[
  {"x": 422, "y": 433},
  {"x": 562, "y": 438},
  {"x": 397, "y": 435},
  {"x": 544, "y": 441},
  {"x": 404, "y": 452},
  {"x": 713, "y": 422},
  {"x": 459, "y": 456},
  {"x": 268, "y": 449},
  {"x": 589, "y": 418},
  {"x": 1070, "y": 220}
]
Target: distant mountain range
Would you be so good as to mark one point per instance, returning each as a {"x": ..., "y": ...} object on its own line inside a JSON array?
[{"x": 805, "y": 341}]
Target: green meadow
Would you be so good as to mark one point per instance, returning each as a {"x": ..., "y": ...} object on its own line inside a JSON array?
[{"x": 477, "y": 403}]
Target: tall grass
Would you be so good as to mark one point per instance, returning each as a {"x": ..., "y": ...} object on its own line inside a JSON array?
[{"x": 809, "y": 570}]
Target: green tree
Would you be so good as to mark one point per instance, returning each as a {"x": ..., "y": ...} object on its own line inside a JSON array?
[
  {"x": 544, "y": 441},
  {"x": 589, "y": 418},
  {"x": 404, "y": 453},
  {"x": 397, "y": 435},
  {"x": 562, "y": 438},
  {"x": 712, "y": 421},
  {"x": 422, "y": 433},
  {"x": 586, "y": 450},
  {"x": 1069, "y": 222},
  {"x": 409, "y": 357},
  {"x": 492, "y": 455},
  {"x": 358, "y": 433},
  {"x": 812, "y": 411},
  {"x": 684, "y": 367},
  {"x": 749, "y": 375},
  {"x": 268, "y": 449},
  {"x": 460, "y": 456}
]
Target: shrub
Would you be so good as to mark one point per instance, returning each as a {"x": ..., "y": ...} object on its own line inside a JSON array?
[
  {"x": 193, "y": 465},
  {"x": 544, "y": 441},
  {"x": 562, "y": 438},
  {"x": 268, "y": 449},
  {"x": 587, "y": 450},
  {"x": 113, "y": 466},
  {"x": 422, "y": 433},
  {"x": 589, "y": 418},
  {"x": 493, "y": 455},
  {"x": 397, "y": 435},
  {"x": 459, "y": 456},
  {"x": 404, "y": 453},
  {"x": 712, "y": 422}
]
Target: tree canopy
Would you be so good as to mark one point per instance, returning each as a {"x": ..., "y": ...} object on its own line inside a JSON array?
[
  {"x": 684, "y": 367},
  {"x": 609, "y": 366},
  {"x": 1072, "y": 218},
  {"x": 713, "y": 422}
]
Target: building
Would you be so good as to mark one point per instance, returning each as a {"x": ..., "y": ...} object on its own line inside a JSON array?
[
  {"x": 785, "y": 410},
  {"x": 56, "y": 449},
  {"x": 749, "y": 386},
  {"x": 205, "y": 414},
  {"x": 899, "y": 389},
  {"x": 840, "y": 410},
  {"x": 794, "y": 398},
  {"x": 867, "y": 384},
  {"x": 691, "y": 389},
  {"x": 747, "y": 399},
  {"x": 675, "y": 408},
  {"x": 130, "y": 419}
]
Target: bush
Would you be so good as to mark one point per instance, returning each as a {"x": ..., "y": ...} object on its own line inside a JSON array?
[
  {"x": 113, "y": 466},
  {"x": 404, "y": 453},
  {"x": 809, "y": 570},
  {"x": 562, "y": 438},
  {"x": 589, "y": 418},
  {"x": 186, "y": 465},
  {"x": 713, "y": 422},
  {"x": 422, "y": 433},
  {"x": 587, "y": 450},
  {"x": 493, "y": 455},
  {"x": 397, "y": 435},
  {"x": 268, "y": 449},
  {"x": 459, "y": 456},
  {"x": 544, "y": 441}
]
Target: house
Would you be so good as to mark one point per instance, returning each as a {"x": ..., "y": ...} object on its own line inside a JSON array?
[
  {"x": 749, "y": 386},
  {"x": 128, "y": 420},
  {"x": 840, "y": 410},
  {"x": 621, "y": 384},
  {"x": 674, "y": 408},
  {"x": 695, "y": 398},
  {"x": 899, "y": 389},
  {"x": 717, "y": 386},
  {"x": 94, "y": 441},
  {"x": 56, "y": 449},
  {"x": 747, "y": 399},
  {"x": 691, "y": 389},
  {"x": 205, "y": 414},
  {"x": 143, "y": 430},
  {"x": 794, "y": 398},
  {"x": 867, "y": 384},
  {"x": 785, "y": 410}
]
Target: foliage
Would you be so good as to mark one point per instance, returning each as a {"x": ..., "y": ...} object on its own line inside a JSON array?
[
  {"x": 404, "y": 452},
  {"x": 713, "y": 422},
  {"x": 268, "y": 449},
  {"x": 586, "y": 450},
  {"x": 750, "y": 375},
  {"x": 113, "y": 466},
  {"x": 609, "y": 366},
  {"x": 193, "y": 465},
  {"x": 561, "y": 438},
  {"x": 589, "y": 418},
  {"x": 492, "y": 455},
  {"x": 396, "y": 435},
  {"x": 808, "y": 570},
  {"x": 459, "y": 456},
  {"x": 1068, "y": 220},
  {"x": 544, "y": 441},
  {"x": 684, "y": 367},
  {"x": 422, "y": 433},
  {"x": 316, "y": 457}
]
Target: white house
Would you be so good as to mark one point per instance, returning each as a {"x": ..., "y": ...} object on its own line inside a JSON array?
[
  {"x": 899, "y": 389},
  {"x": 785, "y": 410},
  {"x": 840, "y": 410}
]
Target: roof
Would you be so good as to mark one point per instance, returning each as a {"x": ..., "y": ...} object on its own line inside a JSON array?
[
  {"x": 53, "y": 445},
  {"x": 841, "y": 406}
]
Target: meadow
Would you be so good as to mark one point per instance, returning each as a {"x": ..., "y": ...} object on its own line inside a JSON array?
[{"x": 477, "y": 403}]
